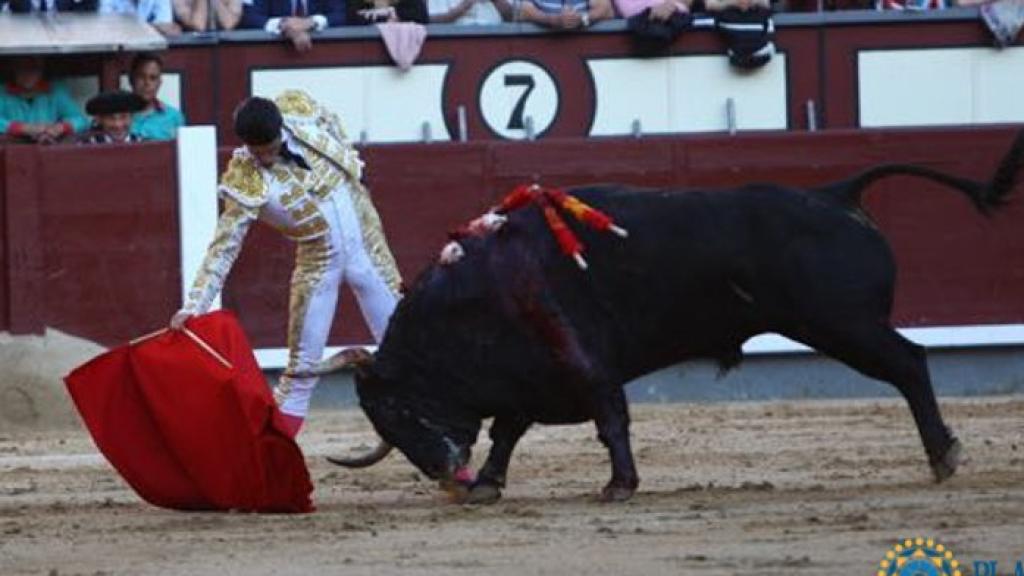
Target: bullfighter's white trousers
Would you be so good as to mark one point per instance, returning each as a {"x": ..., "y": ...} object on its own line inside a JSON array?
[{"x": 321, "y": 265}]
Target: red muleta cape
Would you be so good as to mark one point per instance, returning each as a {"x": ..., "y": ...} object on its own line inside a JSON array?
[{"x": 188, "y": 432}]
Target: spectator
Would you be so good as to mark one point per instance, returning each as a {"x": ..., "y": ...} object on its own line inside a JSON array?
[
  {"x": 911, "y": 4},
  {"x": 194, "y": 15},
  {"x": 154, "y": 12},
  {"x": 748, "y": 29},
  {"x": 157, "y": 120},
  {"x": 661, "y": 10},
  {"x": 469, "y": 11},
  {"x": 229, "y": 13},
  {"x": 375, "y": 11},
  {"x": 721, "y": 5},
  {"x": 294, "y": 19},
  {"x": 34, "y": 109},
  {"x": 654, "y": 24},
  {"x": 1004, "y": 18},
  {"x": 566, "y": 14},
  {"x": 112, "y": 117},
  {"x": 23, "y": 6}
]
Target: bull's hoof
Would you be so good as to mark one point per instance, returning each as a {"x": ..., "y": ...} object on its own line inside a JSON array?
[
  {"x": 947, "y": 465},
  {"x": 616, "y": 493},
  {"x": 457, "y": 492},
  {"x": 483, "y": 493}
]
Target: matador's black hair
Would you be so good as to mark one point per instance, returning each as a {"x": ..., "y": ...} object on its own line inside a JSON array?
[{"x": 257, "y": 121}]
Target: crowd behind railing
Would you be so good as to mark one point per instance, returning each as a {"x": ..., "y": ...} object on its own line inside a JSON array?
[
  {"x": 34, "y": 109},
  {"x": 292, "y": 18}
]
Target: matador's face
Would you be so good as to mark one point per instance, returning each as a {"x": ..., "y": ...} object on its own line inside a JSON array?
[{"x": 266, "y": 154}]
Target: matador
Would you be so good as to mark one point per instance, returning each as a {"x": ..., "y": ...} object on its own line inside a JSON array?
[{"x": 298, "y": 172}]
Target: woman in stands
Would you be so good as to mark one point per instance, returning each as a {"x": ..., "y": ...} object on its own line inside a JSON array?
[{"x": 158, "y": 120}]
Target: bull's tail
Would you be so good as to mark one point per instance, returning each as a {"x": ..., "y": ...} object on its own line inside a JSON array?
[{"x": 986, "y": 196}]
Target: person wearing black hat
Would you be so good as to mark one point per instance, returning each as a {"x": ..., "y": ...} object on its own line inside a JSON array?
[{"x": 112, "y": 117}]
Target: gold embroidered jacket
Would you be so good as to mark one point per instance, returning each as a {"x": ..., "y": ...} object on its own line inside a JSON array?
[{"x": 285, "y": 196}]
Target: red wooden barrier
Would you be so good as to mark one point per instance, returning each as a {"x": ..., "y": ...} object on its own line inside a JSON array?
[
  {"x": 91, "y": 233},
  {"x": 5, "y": 320}
]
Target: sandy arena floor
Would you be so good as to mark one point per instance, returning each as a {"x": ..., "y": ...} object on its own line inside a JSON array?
[{"x": 761, "y": 488}]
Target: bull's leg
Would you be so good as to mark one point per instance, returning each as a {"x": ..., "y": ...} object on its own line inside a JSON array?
[
  {"x": 505, "y": 433},
  {"x": 611, "y": 415},
  {"x": 880, "y": 352}
]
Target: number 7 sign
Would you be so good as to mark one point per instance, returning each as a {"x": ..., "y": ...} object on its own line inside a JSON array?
[{"x": 514, "y": 91}]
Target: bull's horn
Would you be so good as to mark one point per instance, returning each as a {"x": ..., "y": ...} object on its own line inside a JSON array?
[{"x": 365, "y": 460}]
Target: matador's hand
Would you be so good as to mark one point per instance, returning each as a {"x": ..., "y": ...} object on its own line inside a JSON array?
[{"x": 178, "y": 320}]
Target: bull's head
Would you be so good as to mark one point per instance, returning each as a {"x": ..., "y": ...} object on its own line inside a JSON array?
[{"x": 428, "y": 434}]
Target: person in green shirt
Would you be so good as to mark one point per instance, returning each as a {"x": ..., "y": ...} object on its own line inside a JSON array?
[
  {"x": 158, "y": 121},
  {"x": 31, "y": 108}
]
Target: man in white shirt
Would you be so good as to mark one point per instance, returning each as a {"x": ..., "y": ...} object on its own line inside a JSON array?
[
  {"x": 479, "y": 12},
  {"x": 157, "y": 13}
]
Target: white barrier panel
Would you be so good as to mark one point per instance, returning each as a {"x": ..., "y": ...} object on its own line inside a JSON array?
[
  {"x": 686, "y": 94},
  {"x": 197, "y": 199},
  {"x": 383, "y": 102},
  {"x": 940, "y": 86},
  {"x": 929, "y": 337}
]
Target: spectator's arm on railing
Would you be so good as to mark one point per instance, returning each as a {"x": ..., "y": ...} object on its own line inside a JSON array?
[
  {"x": 566, "y": 19},
  {"x": 600, "y": 10},
  {"x": 454, "y": 14},
  {"x": 162, "y": 18},
  {"x": 192, "y": 14},
  {"x": 506, "y": 9},
  {"x": 229, "y": 13},
  {"x": 719, "y": 5}
]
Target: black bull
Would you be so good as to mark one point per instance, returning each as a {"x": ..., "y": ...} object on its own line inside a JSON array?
[{"x": 516, "y": 331}]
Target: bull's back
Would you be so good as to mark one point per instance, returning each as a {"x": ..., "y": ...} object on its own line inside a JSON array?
[
  {"x": 699, "y": 273},
  {"x": 702, "y": 271}
]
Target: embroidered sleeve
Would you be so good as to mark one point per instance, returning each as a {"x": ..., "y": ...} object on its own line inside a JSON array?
[
  {"x": 330, "y": 122},
  {"x": 243, "y": 182},
  {"x": 232, "y": 226}
]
